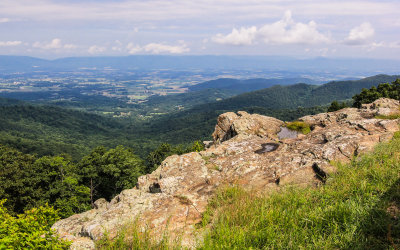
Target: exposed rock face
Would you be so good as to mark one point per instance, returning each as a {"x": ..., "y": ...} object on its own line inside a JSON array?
[
  {"x": 231, "y": 124},
  {"x": 246, "y": 152}
]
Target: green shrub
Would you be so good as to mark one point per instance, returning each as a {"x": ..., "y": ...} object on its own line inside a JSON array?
[
  {"x": 299, "y": 126},
  {"x": 31, "y": 230}
]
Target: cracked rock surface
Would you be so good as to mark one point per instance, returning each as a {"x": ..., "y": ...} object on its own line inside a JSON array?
[{"x": 176, "y": 194}]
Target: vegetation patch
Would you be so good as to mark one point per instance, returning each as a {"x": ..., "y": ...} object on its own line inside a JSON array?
[
  {"x": 30, "y": 230},
  {"x": 353, "y": 210},
  {"x": 134, "y": 236},
  {"x": 388, "y": 117},
  {"x": 388, "y": 90},
  {"x": 299, "y": 126}
]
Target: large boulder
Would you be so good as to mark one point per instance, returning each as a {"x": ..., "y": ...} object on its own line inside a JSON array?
[{"x": 231, "y": 124}]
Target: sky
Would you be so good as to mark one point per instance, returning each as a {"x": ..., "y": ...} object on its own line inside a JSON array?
[{"x": 298, "y": 28}]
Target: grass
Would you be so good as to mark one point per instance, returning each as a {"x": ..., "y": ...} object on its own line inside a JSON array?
[
  {"x": 299, "y": 126},
  {"x": 357, "y": 208},
  {"x": 134, "y": 236},
  {"x": 349, "y": 212}
]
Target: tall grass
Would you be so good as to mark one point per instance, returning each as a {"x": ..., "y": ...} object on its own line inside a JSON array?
[
  {"x": 134, "y": 236},
  {"x": 348, "y": 212},
  {"x": 299, "y": 126}
]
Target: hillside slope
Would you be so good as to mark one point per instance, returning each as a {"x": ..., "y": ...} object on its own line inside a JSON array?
[
  {"x": 242, "y": 86},
  {"x": 49, "y": 130}
]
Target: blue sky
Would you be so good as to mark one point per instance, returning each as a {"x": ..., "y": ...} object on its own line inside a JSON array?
[{"x": 300, "y": 28}]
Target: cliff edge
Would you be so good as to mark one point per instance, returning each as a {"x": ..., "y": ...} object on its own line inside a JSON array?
[{"x": 253, "y": 151}]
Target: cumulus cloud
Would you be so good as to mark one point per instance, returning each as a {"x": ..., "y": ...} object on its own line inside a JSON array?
[
  {"x": 96, "y": 49},
  {"x": 4, "y": 20},
  {"x": 244, "y": 36},
  {"x": 287, "y": 31},
  {"x": 360, "y": 35},
  {"x": 10, "y": 43},
  {"x": 158, "y": 48},
  {"x": 284, "y": 31},
  {"x": 56, "y": 43},
  {"x": 133, "y": 49}
]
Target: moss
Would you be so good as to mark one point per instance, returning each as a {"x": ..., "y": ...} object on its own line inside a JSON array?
[
  {"x": 388, "y": 117},
  {"x": 299, "y": 126},
  {"x": 396, "y": 135}
]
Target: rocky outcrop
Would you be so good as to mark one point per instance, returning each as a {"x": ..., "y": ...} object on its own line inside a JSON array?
[
  {"x": 246, "y": 152},
  {"x": 231, "y": 124}
]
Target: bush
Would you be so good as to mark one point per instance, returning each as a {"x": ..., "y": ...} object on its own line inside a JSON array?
[
  {"x": 30, "y": 230},
  {"x": 299, "y": 126}
]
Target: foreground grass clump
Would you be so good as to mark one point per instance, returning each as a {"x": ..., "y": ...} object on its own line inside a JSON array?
[
  {"x": 357, "y": 208},
  {"x": 133, "y": 236},
  {"x": 299, "y": 126}
]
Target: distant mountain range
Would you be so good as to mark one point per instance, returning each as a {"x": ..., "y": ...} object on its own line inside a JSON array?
[
  {"x": 271, "y": 63},
  {"x": 241, "y": 86}
]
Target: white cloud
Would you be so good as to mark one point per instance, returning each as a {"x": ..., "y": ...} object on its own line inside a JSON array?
[
  {"x": 10, "y": 43},
  {"x": 244, "y": 36},
  {"x": 158, "y": 48},
  {"x": 56, "y": 43},
  {"x": 96, "y": 49},
  {"x": 287, "y": 31},
  {"x": 360, "y": 35},
  {"x": 70, "y": 46},
  {"x": 284, "y": 31},
  {"x": 117, "y": 46},
  {"x": 4, "y": 20},
  {"x": 133, "y": 49}
]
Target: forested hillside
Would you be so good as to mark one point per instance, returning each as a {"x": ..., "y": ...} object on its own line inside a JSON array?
[
  {"x": 303, "y": 95},
  {"x": 49, "y": 130},
  {"x": 242, "y": 86}
]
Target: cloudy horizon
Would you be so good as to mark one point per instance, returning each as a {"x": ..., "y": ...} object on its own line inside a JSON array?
[{"x": 304, "y": 28}]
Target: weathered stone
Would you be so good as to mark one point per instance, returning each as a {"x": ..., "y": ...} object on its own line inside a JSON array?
[
  {"x": 101, "y": 203},
  {"x": 175, "y": 195},
  {"x": 383, "y": 106},
  {"x": 230, "y": 125}
]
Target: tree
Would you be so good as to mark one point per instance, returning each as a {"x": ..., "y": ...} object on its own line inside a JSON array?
[
  {"x": 336, "y": 106},
  {"x": 106, "y": 173},
  {"x": 28, "y": 182},
  {"x": 17, "y": 179},
  {"x": 383, "y": 90},
  {"x": 156, "y": 157},
  {"x": 60, "y": 185}
]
